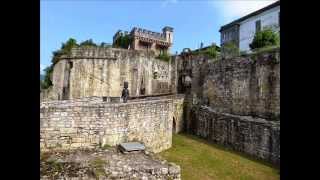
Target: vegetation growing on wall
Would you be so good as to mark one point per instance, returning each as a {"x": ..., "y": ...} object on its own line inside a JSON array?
[
  {"x": 46, "y": 82},
  {"x": 164, "y": 56},
  {"x": 229, "y": 50},
  {"x": 211, "y": 52},
  {"x": 87, "y": 43},
  {"x": 265, "y": 38},
  {"x": 123, "y": 41},
  {"x": 72, "y": 43},
  {"x": 65, "y": 49}
]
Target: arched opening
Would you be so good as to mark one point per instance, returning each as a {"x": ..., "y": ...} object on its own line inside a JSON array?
[{"x": 174, "y": 126}]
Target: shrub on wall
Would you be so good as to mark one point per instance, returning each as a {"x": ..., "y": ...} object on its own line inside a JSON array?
[
  {"x": 211, "y": 52},
  {"x": 229, "y": 50},
  {"x": 164, "y": 56},
  {"x": 46, "y": 82},
  {"x": 123, "y": 41},
  {"x": 65, "y": 49},
  {"x": 265, "y": 38},
  {"x": 88, "y": 42}
]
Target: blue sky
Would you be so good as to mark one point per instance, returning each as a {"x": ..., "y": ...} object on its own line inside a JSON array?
[{"x": 193, "y": 21}]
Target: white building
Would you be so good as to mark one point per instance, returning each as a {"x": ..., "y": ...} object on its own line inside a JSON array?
[{"x": 242, "y": 31}]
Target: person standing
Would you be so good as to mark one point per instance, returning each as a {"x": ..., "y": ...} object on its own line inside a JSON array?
[{"x": 125, "y": 92}]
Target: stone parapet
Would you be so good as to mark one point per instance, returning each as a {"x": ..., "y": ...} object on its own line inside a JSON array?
[{"x": 76, "y": 124}]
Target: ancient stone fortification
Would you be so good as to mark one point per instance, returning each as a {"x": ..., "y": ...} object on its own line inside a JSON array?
[
  {"x": 235, "y": 102},
  {"x": 101, "y": 72},
  {"x": 255, "y": 136},
  {"x": 91, "y": 122},
  {"x": 243, "y": 86}
]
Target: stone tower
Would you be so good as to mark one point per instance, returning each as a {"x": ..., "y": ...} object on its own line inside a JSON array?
[{"x": 168, "y": 32}]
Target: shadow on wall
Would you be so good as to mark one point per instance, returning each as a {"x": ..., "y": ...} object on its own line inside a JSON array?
[{"x": 174, "y": 131}]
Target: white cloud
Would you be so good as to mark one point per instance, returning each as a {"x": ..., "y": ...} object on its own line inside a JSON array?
[
  {"x": 42, "y": 67},
  {"x": 165, "y": 3},
  {"x": 233, "y": 9}
]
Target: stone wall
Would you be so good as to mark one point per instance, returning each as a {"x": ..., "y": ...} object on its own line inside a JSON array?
[
  {"x": 243, "y": 85},
  {"x": 254, "y": 136},
  {"x": 101, "y": 72},
  {"x": 242, "y": 96},
  {"x": 71, "y": 124}
]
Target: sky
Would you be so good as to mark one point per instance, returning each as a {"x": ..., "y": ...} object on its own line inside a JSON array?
[{"x": 194, "y": 21}]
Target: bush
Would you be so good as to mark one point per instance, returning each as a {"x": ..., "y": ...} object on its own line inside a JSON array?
[
  {"x": 123, "y": 42},
  {"x": 65, "y": 49},
  {"x": 265, "y": 38},
  {"x": 46, "y": 83},
  {"x": 88, "y": 43},
  {"x": 229, "y": 50},
  {"x": 164, "y": 56},
  {"x": 211, "y": 52}
]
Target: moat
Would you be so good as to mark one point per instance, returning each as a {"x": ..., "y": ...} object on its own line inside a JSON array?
[{"x": 198, "y": 159}]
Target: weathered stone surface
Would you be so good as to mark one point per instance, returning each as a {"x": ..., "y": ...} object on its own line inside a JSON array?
[
  {"x": 242, "y": 96},
  {"x": 255, "y": 136},
  {"x": 243, "y": 86},
  {"x": 105, "y": 164},
  {"x": 90, "y": 72},
  {"x": 85, "y": 123},
  {"x": 131, "y": 146}
]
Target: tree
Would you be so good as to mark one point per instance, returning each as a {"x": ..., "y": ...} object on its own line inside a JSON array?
[
  {"x": 71, "y": 43},
  {"x": 123, "y": 41},
  {"x": 88, "y": 42},
  {"x": 265, "y": 38},
  {"x": 46, "y": 83},
  {"x": 65, "y": 49}
]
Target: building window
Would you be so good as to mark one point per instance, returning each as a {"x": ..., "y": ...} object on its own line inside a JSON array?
[{"x": 258, "y": 26}]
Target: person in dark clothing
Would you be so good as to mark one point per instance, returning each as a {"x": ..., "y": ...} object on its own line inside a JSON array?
[{"x": 125, "y": 92}]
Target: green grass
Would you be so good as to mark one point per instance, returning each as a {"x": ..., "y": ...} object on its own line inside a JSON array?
[
  {"x": 97, "y": 167},
  {"x": 199, "y": 159}
]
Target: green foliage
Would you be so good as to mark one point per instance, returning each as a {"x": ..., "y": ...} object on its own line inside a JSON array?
[
  {"x": 123, "y": 41},
  {"x": 229, "y": 50},
  {"x": 265, "y": 38},
  {"x": 65, "y": 49},
  {"x": 164, "y": 56},
  {"x": 87, "y": 43},
  {"x": 71, "y": 43},
  {"x": 97, "y": 167},
  {"x": 265, "y": 49},
  {"x": 211, "y": 52},
  {"x": 46, "y": 83},
  {"x": 106, "y": 146},
  {"x": 243, "y": 53}
]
